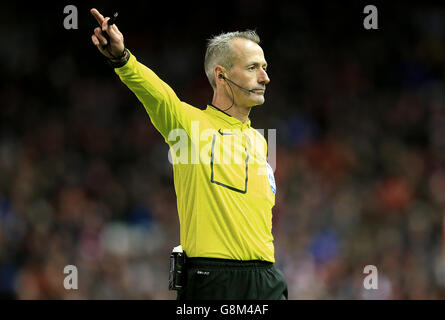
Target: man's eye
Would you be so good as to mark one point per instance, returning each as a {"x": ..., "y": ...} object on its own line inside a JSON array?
[{"x": 252, "y": 68}]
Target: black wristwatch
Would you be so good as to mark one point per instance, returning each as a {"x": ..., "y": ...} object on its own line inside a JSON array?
[{"x": 120, "y": 61}]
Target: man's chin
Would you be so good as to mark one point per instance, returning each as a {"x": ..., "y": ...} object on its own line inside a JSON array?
[{"x": 257, "y": 102}]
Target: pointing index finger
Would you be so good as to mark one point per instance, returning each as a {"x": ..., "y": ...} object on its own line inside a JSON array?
[{"x": 96, "y": 14}]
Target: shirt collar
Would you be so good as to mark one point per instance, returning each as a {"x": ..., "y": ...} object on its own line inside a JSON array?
[{"x": 226, "y": 117}]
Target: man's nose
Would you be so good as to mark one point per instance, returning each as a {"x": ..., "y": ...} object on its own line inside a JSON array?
[{"x": 263, "y": 77}]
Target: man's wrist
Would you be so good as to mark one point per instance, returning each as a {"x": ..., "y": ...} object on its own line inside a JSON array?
[{"x": 120, "y": 61}]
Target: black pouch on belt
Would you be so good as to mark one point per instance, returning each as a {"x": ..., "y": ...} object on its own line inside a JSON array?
[{"x": 177, "y": 269}]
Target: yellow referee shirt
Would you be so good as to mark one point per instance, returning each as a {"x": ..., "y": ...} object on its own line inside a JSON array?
[{"x": 225, "y": 188}]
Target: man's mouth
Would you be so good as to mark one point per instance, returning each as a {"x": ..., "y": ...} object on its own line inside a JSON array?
[{"x": 260, "y": 91}]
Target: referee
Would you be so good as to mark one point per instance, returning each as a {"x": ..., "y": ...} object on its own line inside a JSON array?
[{"x": 225, "y": 209}]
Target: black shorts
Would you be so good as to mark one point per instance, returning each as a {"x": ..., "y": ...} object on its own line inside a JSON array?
[{"x": 221, "y": 279}]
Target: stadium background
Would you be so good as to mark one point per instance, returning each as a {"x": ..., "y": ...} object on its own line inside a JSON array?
[{"x": 360, "y": 119}]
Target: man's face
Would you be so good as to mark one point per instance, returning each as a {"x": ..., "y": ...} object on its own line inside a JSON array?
[{"x": 248, "y": 71}]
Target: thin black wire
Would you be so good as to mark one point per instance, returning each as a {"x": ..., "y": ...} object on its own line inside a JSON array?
[{"x": 233, "y": 97}]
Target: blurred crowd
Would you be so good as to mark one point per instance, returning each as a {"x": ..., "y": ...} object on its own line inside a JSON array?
[{"x": 360, "y": 157}]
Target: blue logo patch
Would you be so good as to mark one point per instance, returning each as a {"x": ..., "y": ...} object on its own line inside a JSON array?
[{"x": 271, "y": 178}]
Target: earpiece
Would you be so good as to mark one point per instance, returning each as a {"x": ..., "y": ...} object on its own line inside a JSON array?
[{"x": 221, "y": 76}]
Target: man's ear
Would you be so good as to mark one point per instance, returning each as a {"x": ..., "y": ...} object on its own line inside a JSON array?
[{"x": 219, "y": 73}]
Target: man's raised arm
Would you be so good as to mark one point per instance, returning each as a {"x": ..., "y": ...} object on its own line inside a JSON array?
[{"x": 165, "y": 109}]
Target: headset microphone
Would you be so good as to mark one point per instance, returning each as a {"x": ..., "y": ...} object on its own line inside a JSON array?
[
  {"x": 221, "y": 76},
  {"x": 227, "y": 79}
]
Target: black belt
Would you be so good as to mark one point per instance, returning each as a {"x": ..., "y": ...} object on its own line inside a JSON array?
[{"x": 217, "y": 263}]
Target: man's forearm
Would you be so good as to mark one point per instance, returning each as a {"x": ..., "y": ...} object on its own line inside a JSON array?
[{"x": 160, "y": 101}]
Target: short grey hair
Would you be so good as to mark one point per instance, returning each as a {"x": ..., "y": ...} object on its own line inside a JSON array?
[{"x": 220, "y": 51}]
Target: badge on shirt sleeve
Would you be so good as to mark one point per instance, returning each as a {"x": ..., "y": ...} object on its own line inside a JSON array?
[{"x": 271, "y": 178}]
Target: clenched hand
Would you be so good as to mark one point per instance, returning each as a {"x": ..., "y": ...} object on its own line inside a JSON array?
[{"x": 112, "y": 48}]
